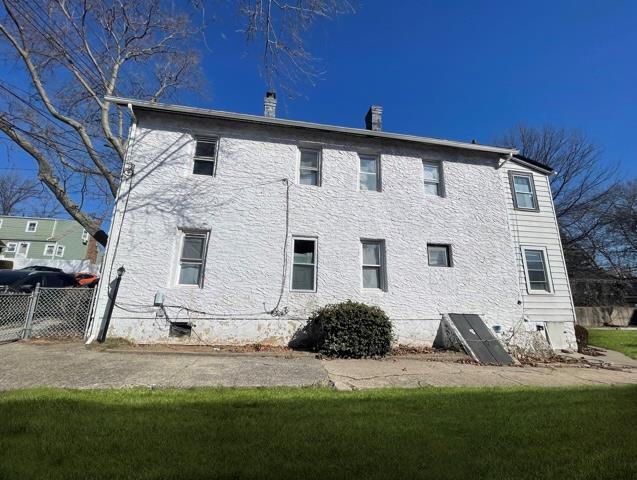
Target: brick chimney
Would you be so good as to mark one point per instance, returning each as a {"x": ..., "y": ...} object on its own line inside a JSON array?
[
  {"x": 269, "y": 105},
  {"x": 374, "y": 118}
]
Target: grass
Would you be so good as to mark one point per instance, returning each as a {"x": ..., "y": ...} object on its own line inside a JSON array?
[
  {"x": 319, "y": 433},
  {"x": 624, "y": 341}
]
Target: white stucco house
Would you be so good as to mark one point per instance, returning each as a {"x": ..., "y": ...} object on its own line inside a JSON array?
[{"x": 232, "y": 228}]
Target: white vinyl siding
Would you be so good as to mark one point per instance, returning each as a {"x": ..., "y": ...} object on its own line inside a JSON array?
[{"x": 538, "y": 230}]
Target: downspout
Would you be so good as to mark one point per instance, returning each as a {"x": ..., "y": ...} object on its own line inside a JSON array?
[{"x": 94, "y": 331}]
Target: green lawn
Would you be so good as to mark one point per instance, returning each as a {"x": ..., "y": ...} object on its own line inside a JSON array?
[
  {"x": 624, "y": 341},
  {"x": 319, "y": 433}
]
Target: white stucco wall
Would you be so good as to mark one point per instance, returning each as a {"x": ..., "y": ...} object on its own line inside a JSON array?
[{"x": 244, "y": 208}]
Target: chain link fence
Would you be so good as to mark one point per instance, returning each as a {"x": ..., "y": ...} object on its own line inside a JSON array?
[{"x": 45, "y": 313}]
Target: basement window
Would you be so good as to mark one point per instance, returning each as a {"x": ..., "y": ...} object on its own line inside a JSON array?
[
  {"x": 205, "y": 161},
  {"x": 180, "y": 329}
]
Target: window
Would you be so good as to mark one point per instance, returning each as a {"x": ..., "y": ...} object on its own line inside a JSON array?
[
  {"x": 433, "y": 178},
  {"x": 59, "y": 251},
  {"x": 23, "y": 249},
  {"x": 439, "y": 255},
  {"x": 370, "y": 173},
  {"x": 49, "y": 249},
  {"x": 205, "y": 156},
  {"x": 523, "y": 189},
  {"x": 32, "y": 227},
  {"x": 373, "y": 264},
  {"x": 192, "y": 260},
  {"x": 304, "y": 265},
  {"x": 84, "y": 236},
  {"x": 310, "y": 167},
  {"x": 537, "y": 273},
  {"x": 1, "y": 222},
  {"x": 11, "y": 247}
]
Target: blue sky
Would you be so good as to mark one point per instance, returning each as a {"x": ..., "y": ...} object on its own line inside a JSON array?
[{"x": 460, "y": 70}]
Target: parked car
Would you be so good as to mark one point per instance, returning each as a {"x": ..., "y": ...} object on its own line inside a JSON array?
[
  {"x": 42, "y": 268},
  {"x": 85, "y": 279},
  {"x": 26, "y": 280}
]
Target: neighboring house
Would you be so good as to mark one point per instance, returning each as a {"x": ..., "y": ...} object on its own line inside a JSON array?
[
  {"x": 42, "y": 241},
  {"x": 233, "y": 228}
]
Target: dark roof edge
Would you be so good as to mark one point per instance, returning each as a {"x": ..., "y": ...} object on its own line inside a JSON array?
[
  {"x": 533, "y": 164},
  {"x": 202, "y": 112}
]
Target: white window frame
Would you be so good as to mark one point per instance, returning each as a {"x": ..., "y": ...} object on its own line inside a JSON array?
[
  {"x": 315, "y": 264},
  {"x": 1, "y": 222},
  {"x": 204, "y": 139},
  {"x": 194, "y": 232},
  {"x": 11, "y": 244},
  {"x": 46, "y": 247},
  {"x": 547, "y": 266},
  {"x": 382, "y": 266},
  {"x": 28, "y": 244},
  {"x": 531, "y": 177},
  {"x": 440, "y": 184},
  {"x": 85, "y": 236},
  {"x": 318, "y": 170},
  {"x": 57, "y": 250},
  {"x": 31, "y": 222},
  {"x": 379, "y": 182},
  {"x": 449, "y": 255}
]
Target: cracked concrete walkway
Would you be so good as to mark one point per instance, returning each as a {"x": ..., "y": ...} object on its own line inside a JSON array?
[
  {"x": 72, "y": 365},
  {"x": 414, "y": 372}
]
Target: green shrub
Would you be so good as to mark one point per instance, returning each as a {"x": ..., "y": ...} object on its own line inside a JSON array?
[{"x": 351, "y": 330}]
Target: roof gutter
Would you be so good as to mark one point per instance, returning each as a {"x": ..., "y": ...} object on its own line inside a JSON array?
[{"x": 255, "y": 119}]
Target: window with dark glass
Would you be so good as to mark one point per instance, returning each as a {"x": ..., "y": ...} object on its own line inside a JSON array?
[
  {"x": 205, "y": 157},
  {"x": 438, "y": 255},
  {"x": 304, "y": 264}
]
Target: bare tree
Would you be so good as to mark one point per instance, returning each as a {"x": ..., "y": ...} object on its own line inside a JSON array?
[
  {"x": 15, "y": 191},
  {"x": 281, "y": 27},
  {"x": 68, "y": 55}
]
